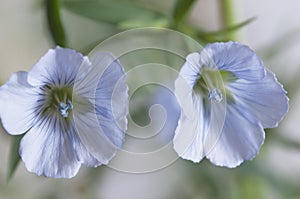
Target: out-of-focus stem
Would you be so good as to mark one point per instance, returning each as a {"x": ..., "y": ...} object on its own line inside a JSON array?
[
  {"x": 54, "y": 22},
  {"x": 228, "y": 16}
]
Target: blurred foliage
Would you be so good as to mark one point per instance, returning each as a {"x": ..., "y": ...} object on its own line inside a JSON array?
[
  {"x": 224, "y": 34},
  {"x": 113, "y": 12},
  {"x": 247, "y": 181},
  {"x": 126, "y": 14},
  {"x": 181, "y": 7},
  {"x": 14, "y": 157}
]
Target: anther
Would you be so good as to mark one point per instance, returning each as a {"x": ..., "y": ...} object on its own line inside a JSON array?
[{"x": 64, "y": 108}]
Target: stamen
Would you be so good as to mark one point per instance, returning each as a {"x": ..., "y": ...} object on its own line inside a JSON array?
[
  {"x": 64, "y": 108},
  {"x": 70, "y": 105},
  {"x": 56, "y": 98},
  {"x": 215, "y": 95}
]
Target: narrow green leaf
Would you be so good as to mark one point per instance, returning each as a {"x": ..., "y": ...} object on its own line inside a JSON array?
[
  {"x": 14, "y": 157},
  {"x": 181, "y": 8},
  {"x": 54, "y": 22},
  {"x": 223, "y": 34},
  {"x": 110, "y": 11}
]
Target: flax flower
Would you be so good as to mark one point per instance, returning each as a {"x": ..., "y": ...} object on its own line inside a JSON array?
[
  {"x": 227, "y": 98},
  {"x": 72, "y": 110}
]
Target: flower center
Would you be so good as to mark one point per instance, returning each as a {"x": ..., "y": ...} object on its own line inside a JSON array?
[
  {"x": 58, "y": 99},
  {"x": 215, "y": 94},
  {"x": 211, "y": 84},
  {"x": 64, "y": 108}
]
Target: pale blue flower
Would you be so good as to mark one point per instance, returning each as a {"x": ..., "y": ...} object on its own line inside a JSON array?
[
  {"x": 73, "y": 110},
  {"x": 227, "y": 98}
]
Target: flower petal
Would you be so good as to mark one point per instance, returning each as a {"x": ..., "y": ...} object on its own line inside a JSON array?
[
  {"x": 82, "y": 153},
  {"x": 100, "y": 107},
  {"x": 266, "y": 99},
  {"x": 197, "y": 135},
  {"x": 58, "y": 67},
  {"x": 91, "y": 134},
  {"x": 47, "y": 149},
  {"x": 190, "y": 71},
  {"x": 18, "y": 101},
  {"x": 240, "y": 139},
  {"x": 112, "y": 99},
  {"x": 234, "y": 57},
  {"x": 191, "y": 131}
]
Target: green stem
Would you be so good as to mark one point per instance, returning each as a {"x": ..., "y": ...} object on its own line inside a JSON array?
[
  {"x": 228, "y": 16},
  {"x": 54, "y": 22}
]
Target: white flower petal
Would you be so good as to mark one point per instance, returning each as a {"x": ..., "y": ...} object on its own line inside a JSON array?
[
  {"x": 191, "y": 128},
  {"x": 18, "y": 100},
  {"x": 240, "y": 139},
  {"x": 58, "y": 67},
  {"x": 112, "y": 104},
  {"x": 112, "y": 98},
  {"x": 92, "y": 135},
  {"x": 100, "y": 107},
  {"x": 184, "y": 94},
  {"x": 266, "y": 99},
  {"x": 234, "y": 57},
  {"x": 82, "y": 153},
  {"x": 191, "y": 132},
  {"x": 190, "y": 71},
  {"x": 197, "y": 135},
  {"x": 47, "y": 149}
]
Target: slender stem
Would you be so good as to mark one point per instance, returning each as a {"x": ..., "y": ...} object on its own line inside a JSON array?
[
  {"x": 54, "y": 22},
  {"x": 228, "y": 16}
]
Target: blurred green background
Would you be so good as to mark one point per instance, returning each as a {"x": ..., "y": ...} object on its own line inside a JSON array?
[{"x": 29, "y": 27}]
